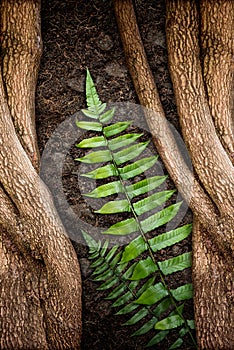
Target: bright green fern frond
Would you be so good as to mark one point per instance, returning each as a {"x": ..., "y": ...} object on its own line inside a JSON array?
[{"x": 134, "y": 278}]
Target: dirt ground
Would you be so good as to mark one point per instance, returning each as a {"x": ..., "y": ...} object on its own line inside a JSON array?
[{"x": 79, "y": 35}]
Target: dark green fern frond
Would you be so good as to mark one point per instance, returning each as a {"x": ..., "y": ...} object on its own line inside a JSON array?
[{"x": 135, "y": 279}]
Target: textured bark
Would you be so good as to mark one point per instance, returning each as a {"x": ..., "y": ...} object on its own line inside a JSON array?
[
  {"x": 21, "y": 52},
  {"x": 184, "y": 61},
  {"x": 217, "y": 44},
  {"x": 211, "y": 276},
  {"x": 208, "y": 135},
  {"x": 213, "y": 293},
  {"x": 40, "y": 284}
]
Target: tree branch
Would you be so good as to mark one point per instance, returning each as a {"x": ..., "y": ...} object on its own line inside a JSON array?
[
  {"x": 213, "y": 288},
  {"x": 210, "y": 160},
  {"x": 21, "y": 47},
  {"x": 217, "y": 41}
]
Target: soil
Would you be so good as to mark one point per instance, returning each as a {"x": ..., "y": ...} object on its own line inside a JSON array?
[{"x": 79, "y": 35}]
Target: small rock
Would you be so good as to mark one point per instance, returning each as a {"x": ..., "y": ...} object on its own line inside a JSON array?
[
  {"x": 85, "y": 267},
  {"x": 116, "y": 70},
  {"x": 157, "y": 38},
  {"x": 104, "y": 42},
  {"x": 77, "y": 84},
  {"x": 104, "y": 308},
  {"x": 175, "y": 249}
]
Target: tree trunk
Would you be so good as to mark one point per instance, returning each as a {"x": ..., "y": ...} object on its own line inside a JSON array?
[
  {"x": 40, "y": 284},
  {"x": 205, "y": 117},
  {"x": 204, "y": 109}
]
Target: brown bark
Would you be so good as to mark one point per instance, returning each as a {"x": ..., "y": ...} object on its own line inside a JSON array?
[
  {"x": 217, "y": 49},
  {"x": 21, "y": 52},
  {"x": 213, "y": 293},
  {"x": 199, "y": 109},
  {"x": 195, "y": 116},
  {"x": 40, "y": 285}
]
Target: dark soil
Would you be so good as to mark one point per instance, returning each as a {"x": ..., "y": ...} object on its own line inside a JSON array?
[{"x": 79, "y": 35}]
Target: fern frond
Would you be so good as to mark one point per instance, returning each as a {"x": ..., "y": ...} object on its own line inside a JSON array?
[{"x": 134, "y": 278}]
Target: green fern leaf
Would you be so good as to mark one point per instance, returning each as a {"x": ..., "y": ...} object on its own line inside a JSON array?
[
  {"x": 100, "y": 269},
  {"x": 145, "y": 286},
  {"x": 109, "y": 283},
  {"x": 177, "y": 344},
  {"x": 175, "y": 264},
  {"x": 122, "y": 141},
  {"x": 117, "y": 291},
  {"x": 113, "y": 207},
  {"x": 92, "y": 142},
  {"x": 90, "y": 113},
  {"x": 162, "y": 334},
  {"x": 125, "y": 298},
  {"x": 115, "y": 129},
  {"x": 157, "y": 338},
  {"x": 92, "y": 244},
  {"x": 160, "y": 218},
  {"x": 183, "y": 331},
  {"x": 151, "y": 202},
  {"x": 144, "y": 186},
  {"x": 92, "y": 98},
  {"x": 96, "y": 157},
  {"x": 111, "y": 253},
  {"x": 106, "y": 190},
  {"x": 107, "y": 116},
  {"x": 119, "y": 269},
  {"x": 129, "y": 153},
  {"x": 169, "y": 322},
  {"x": 137, "y": 168},
  {"x": 134, "y": 249},
  {"x": 143, "y": 269},
  {"x": 103, "y": 276},
  {"x": 92, "y": 126},
  {"x": 94, "y": 255},
  {"x": 113, "y": 263},
  {"x": 162, "y": 307},
  {"x": 137, "y": 317},
  {"x": 104, "y": 248},
  {"x": 152, "y": 295},
  {"x": 122, "y": 228},
  {"x": 132, "y": 306},
  {"x": 183, "y": 292},
  {"x": 102, "y": 173},
  {"x": 191, "y": 324},
  {"x": 169, "y": 238},
  {"x": 127, "y": 309},
  {"x": 146, "y": 327},
  {"x": 97, "y": 263},
  {"x": 127, "y": 273}
]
